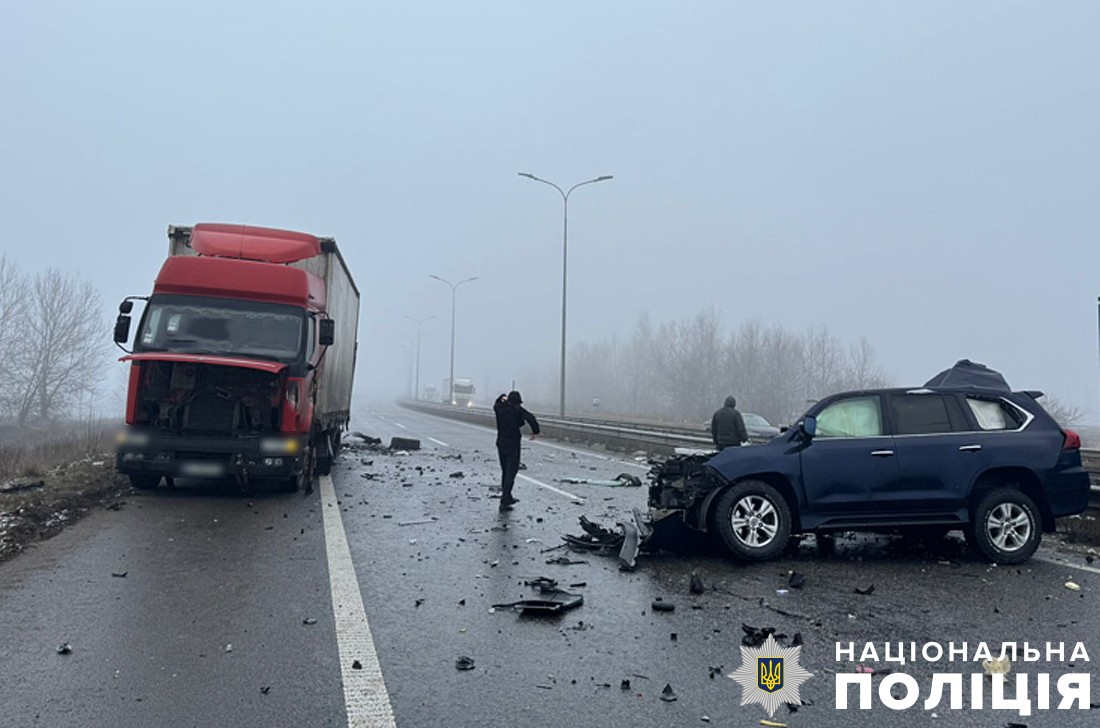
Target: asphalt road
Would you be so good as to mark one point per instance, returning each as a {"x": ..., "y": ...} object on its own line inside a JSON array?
[{"x": 428, "y": 554}]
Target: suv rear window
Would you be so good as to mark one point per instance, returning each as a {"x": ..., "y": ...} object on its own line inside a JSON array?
[{"x": 995, "y": 414}]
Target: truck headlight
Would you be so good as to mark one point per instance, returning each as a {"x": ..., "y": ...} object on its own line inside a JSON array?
[{"x": 279, "y": 446}]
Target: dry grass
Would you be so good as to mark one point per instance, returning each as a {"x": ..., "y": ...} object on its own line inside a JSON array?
[{"x": 32, "y": 451}]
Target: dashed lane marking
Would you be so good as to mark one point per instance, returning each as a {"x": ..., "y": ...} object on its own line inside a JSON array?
[
  {"x": 559, "y": 491},
  {"x": 1081, "y": 567},
  {"x": 438, "y": 442},
  {"x": 401, "y": 425},
  {"x": 482, "y": 428},
  {"x": 365, "y": 697}
]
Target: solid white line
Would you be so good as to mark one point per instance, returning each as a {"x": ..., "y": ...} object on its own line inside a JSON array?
[
  {"x": 574, "y": 498},
  {"x": 1081, "y": 567},
  {"x": 365, "y": 697},
  {"x": 438, "y": 442}
]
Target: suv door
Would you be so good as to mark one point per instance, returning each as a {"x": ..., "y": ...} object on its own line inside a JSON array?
[
  {"x": 848, "y": 457},
  {"x": 937, "y": 456}
]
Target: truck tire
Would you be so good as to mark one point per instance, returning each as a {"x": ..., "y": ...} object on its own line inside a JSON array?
[
  {"x": 323, "y": 453},
  {"x": 753, "y": 520},
  {"x": 144, "y": 481},
  {"x": 1005, "y": 526}
]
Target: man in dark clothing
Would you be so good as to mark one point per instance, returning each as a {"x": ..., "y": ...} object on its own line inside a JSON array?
[
  {"x": 727, "y": 427},
  {"x": 511, "y": 417}
]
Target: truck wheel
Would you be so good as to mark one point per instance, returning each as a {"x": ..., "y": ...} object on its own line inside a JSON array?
[
  {"x": 753, "y": 520},
  {"x": 144, "y": 481},
  {"x": 1005, "y": 526}
]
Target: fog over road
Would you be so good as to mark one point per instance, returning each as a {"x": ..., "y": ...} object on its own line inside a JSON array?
[{"x": 207, "y": 569}]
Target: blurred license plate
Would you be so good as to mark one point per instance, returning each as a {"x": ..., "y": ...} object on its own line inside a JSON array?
[{"x": 199, "y": 469}]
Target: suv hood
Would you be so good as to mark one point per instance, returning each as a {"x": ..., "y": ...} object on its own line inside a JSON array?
[{"x": 735, "y": 462}]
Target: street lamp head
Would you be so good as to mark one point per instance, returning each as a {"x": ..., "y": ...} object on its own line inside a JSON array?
[
  {"x": 605, "y": 177},
  {"x": 528, "y": 175}
]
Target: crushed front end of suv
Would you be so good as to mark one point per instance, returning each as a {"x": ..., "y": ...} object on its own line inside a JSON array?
[{"x": 962, "y": 452}]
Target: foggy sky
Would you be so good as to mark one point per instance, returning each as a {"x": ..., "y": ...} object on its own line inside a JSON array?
[{"x": 924, "y": 174}]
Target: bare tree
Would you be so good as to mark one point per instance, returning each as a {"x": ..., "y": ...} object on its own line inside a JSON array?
[
  {"x": 13, "y": 307},
  {"x": 62, "y": 353},
  {"x": 1065, "y": 414}
]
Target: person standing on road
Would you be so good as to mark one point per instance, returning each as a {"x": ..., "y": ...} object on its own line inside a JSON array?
[
  {"x": 511, "y": 417},
  {"x": 727, "y": 427}
]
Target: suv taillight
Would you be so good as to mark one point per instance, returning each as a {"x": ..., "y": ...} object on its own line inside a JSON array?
[{"x": 1073, "y": 440}]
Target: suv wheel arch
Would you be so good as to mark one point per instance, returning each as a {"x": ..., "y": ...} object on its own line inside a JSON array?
[{"x": 1019, "y": 478}]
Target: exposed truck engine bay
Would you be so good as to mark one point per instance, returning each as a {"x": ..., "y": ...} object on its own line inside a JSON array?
[{"x": 201, "y": 399}]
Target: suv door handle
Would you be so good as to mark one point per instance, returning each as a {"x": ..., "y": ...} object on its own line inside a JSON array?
[
  {"x": 970, "y": 448},
  {"x": 882, "y": 453}
]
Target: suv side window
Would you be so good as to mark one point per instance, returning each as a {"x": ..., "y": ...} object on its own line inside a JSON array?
[
  {"x": 925, "y": 414},
  {"x": 853, "y": 417},
  {"x": 994, "y": 414}
]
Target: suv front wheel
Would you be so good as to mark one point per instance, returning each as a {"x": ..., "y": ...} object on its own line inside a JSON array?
[
  {"x": 1005, "y": 526},
  {"x": 753, "y": 520}
]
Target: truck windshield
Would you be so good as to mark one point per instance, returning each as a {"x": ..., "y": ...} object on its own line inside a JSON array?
[{"x": 195, "y": 325}]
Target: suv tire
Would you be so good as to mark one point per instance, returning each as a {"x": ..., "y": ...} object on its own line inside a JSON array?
[
  {"x": 753, "y": 520},
  {"x": 1005, "y": 526}
]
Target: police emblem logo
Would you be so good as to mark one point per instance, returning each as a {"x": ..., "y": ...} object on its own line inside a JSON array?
[{"x": 770, "y": 675}]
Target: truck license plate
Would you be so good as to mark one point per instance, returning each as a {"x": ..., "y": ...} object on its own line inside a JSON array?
[{"x": 200, "y": 469}]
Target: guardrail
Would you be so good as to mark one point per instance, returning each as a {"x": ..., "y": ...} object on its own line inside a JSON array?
[{"x": 659, "y": 439}]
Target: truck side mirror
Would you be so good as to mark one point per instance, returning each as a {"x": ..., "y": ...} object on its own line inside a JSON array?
[
  {"x": 122, "y": 328},
  {"x": 126, "y": 306},
  {"x": 809, "y": 426},
  {"x": 327, "y": 332}
]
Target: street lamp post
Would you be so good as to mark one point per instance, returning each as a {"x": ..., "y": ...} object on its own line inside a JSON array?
[
  {"x": 454, "y": 287},
  {"x": 416, "y": 394},
  {"x": 564, "y": 261}
]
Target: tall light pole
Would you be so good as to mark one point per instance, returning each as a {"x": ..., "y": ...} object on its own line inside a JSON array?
[
  {"x": 564, "y": 261},
  {"x": 454, "y": 287},
  {"x": 418, "y": 322}
]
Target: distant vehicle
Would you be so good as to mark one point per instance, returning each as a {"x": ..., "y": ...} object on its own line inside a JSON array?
[
  {"x": 757, "y": 427},
  {"x": 463, "y": 394},
  {"x": 430, "y": 394},
  {"x": 243, "y": 361},
  {"x": 969, "y": 455}
]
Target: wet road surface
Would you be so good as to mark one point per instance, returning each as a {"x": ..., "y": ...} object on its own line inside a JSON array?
[{"x": 430, "y": 555}]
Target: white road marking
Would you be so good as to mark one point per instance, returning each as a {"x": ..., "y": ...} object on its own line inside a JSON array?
[
  {"x": 401, "y": 425},
  {"x": 365, "y": 697},
  {"x": 574, "y": 498},
  {"x": 438, "y": 442},
  {"x": 1081, "y": 567},
  {"x": 643, "y": 466}
]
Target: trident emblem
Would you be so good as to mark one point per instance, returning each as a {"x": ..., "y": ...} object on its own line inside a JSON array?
[{"x": 771, "y": 673}]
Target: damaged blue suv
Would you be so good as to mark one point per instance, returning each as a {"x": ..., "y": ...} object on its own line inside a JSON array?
[{"x": 962, "y": 452}]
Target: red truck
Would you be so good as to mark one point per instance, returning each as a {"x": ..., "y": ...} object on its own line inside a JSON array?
[{"x": 243, "y": 361}]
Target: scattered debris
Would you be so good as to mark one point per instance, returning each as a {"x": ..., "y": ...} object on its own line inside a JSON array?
[
  {"x": 356, "y": 665},
  {"x": 550, "y": 601},
  {"x": 565, "y": 561},
  {"x": 119, "y": 574},
  {"x": 623, "y": 480},
  {"x": 668, "y": 694},
  {"x": 430, "y": 519},
  {"x": 872, "y": 670},
  {"x": 309, "y": 620},
  {"x": 797, "y": 580},
  {"x": 997, "y": 666},
  {"x": 1073, "y": 586},
  {"x": 464, "y": 663},
  {"x": 715, "y": 671},
  {"x": 404, "y": 443},
  {"x": 697, "y": 585},
  {"x": 419, "y": 602},
  {"x": 229, "y": 647},
  {"x": 866, "y": 591},
  {"x": 659, "y": 605},
  {"x": 64, "y": 648},
  {"x": 365, "y": 438},
  {"x": 457, "y": 474},
  {"x": 542, "y": 583},
  {"x": 625, "y": 684}
]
